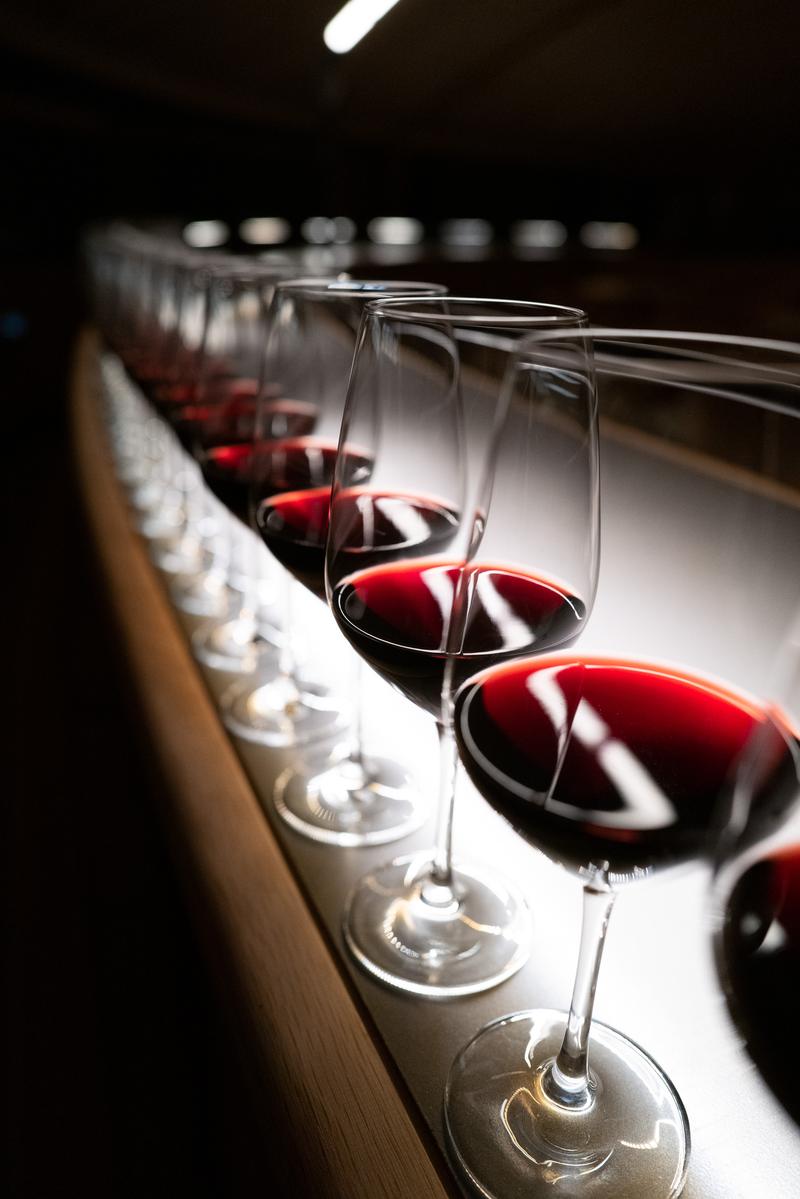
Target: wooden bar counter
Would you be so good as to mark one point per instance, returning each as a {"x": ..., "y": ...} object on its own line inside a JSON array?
[{"x": 317, "y": 1066}]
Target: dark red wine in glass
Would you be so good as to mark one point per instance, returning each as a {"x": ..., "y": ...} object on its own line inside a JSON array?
[
  {"x": 759, "y": 956},
  {"x": 217, "y": 387},
  {"x": 239, "y": 470},
  {"x": 394, "y": 615},
  {"x": 202, "y": 425},
  {"x": 757, "y": 895},
  {"x": 146, "y": 371},
  {"x": 604, "y": 761},
  {"x": 294, "y": 527}
]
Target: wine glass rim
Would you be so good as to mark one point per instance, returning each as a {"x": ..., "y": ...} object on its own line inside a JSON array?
[
  {"x": 229, "y": 267},
  {"x": 333, "y": 285},
  {"x": 495, "y": 311},
  {"x": 741, "y": 697},
  {"x": 621, "y": 335}
]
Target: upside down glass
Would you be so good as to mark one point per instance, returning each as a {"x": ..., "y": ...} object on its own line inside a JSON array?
[
  {"x": 613, "y": 761},
  {"x": 481, "y": 506}
]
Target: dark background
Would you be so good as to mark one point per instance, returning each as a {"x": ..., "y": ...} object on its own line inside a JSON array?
[{"x": 679, "y": 118}]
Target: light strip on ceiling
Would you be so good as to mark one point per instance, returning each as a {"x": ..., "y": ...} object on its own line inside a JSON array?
[{"x": 353, "y": 22}]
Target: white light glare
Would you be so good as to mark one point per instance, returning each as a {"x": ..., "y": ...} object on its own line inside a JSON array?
[
  {"x": 353, "y": 22},
  {"x": 205, "y": 234},
  {"x": 344, "y": 230},
  {"x": 609, "y": 235},
  {"x": 317, "y": 230},
  {"x": 264, "y": 230},
  {"x": 322, "y": 230},
  {"x": 395, "y": 231},
  {"x": 467, "y": 232},
  {"x": 540, "y": 235}
]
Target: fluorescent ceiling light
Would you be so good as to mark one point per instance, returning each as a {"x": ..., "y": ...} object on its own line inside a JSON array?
[
  {"x": 395, "y": 230},
  {"x": 538, "y": 235},
  {"x": 319, "y": 230},
  {"x": 204, "y": 235},
  {"x": 353, "y": 22},
  {"x": 609, "y": 235},
  {"x": 264, "y": 230},
  {"x": 343, "y": 229},
  {"x": 322, "y": 230},
  {"x": 466, "y": 232}
]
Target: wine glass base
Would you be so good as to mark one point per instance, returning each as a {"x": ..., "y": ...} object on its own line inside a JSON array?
[
  {"x": 265, "y": 591},
  {"x": 437, "y": 941},
  {"x": 200, "y": 595},
  {"x": 145, "y": 495},
  {"x": 350, "y": 803},
  {"x": 228, "y": 646},
  {"x": 512, "y": 1142},
  {"x": 282, "y": 715},
  {"x": 158, "y": 526},
  {"x": 174, "y": 558}
]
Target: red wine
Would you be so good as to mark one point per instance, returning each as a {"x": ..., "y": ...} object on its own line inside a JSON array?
[
  {"x": 226, "y": 470},
  {"x": 146, "y": 371},
  {"x": 397, "y": 617},
  {"x": 202, "y": 426},
  {"x": 238, "y": 473},
  {"x": 760, "y": 965},
  {"x": 174, "y": 395},
  {"x": 218, "y": 389},
  {"x": 596, "y": 760},
  {"x": 295, "y": 526}
]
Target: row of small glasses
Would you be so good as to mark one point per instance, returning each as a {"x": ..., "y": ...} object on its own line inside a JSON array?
[
  {"x": 151, "y": 301},
  {"x": 401, "y": 364}
]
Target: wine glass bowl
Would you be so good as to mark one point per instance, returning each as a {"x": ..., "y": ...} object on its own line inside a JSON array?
[
  {"x": 613, "y": 760},
  {"x": 602, "y": 760}
]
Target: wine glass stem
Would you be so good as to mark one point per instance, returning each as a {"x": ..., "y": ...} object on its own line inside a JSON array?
[
  {"x": 222, "y": 543},
  {"x": 356, "y": 755},
  {"x": 568, "y": 1083},
  {"x": 248, "y": 613},
  {"x": 442, "y": 869},
  {"x": 287, "y": 661},
  {"x": 188, "y": 530}
]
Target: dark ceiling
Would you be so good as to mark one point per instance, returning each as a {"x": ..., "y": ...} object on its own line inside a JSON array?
[{"x": 510, "y": 107}]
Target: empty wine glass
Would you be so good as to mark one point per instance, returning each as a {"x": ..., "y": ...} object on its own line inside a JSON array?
[
  {"x": 612, "y": 760},
  {"x": 461, "y": 455}
]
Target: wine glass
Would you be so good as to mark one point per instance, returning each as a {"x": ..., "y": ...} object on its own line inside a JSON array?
[
  {"x": 219, "y": 427},
  {"x": 180, "y": 278},
  {"x": 312, "y": 329},
  {"x": 199, "y": 585},
  {"x": 109, "y": 255},
  {"x": 460, "y": 452},
  {"x": 612, "y": 761},
  {"x": 147, "y": 273},
  {"x": 756, "y": 893}
]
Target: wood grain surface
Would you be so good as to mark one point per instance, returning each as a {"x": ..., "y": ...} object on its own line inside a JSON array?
[{"x": 337, "y": 1122}]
